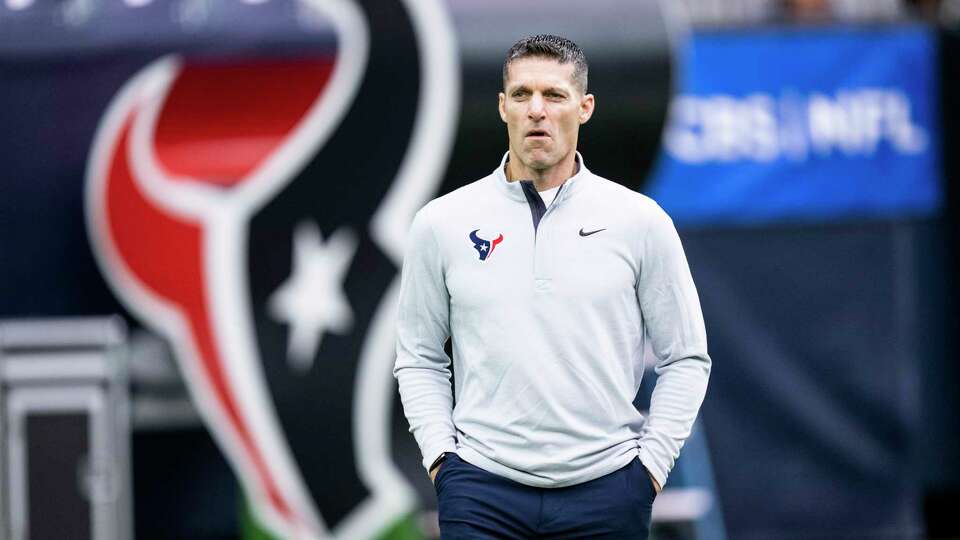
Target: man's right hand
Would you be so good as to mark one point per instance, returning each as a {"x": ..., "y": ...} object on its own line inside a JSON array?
[{"x": 433, "y": 473}]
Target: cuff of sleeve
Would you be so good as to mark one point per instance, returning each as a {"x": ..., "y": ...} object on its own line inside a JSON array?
[
  {"x": 429, "y": 456},
  {"x": 658, "y": 471}
]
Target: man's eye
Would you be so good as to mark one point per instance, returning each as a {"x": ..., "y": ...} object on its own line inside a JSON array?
[{"x": 519, "y": 94}]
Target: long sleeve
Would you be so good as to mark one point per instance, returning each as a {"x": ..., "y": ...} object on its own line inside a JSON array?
[
  {"x": 674, "y": 324},
  {"x": 422, "y": 366}
]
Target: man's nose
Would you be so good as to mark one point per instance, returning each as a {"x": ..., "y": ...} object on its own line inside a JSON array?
[{"x": 536, "y": 110}]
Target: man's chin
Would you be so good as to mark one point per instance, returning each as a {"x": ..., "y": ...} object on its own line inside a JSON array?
[{"x": 539, "y": 162}]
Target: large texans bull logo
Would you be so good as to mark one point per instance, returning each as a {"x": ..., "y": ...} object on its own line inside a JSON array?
[{"x": 254, "y": 214}]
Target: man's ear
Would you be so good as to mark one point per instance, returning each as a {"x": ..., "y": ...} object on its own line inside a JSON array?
[
  {"x": 587, "y": 104},
  {"x": 501, "y": 106}
]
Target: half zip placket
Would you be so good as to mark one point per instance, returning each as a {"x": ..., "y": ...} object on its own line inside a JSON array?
[{"x": 538, "y": 210}]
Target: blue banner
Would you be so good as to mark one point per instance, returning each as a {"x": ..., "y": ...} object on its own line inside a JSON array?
[{"x": 806, "y": 124}]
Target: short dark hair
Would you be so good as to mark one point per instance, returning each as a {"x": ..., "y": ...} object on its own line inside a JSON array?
[{"x": 557, "y": 48}]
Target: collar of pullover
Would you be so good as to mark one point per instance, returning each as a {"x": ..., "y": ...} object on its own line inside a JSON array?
[{"x": 514, "y": 189}]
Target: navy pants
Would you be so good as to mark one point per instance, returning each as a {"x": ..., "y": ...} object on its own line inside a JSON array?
[{"x": 476, "y": 504}]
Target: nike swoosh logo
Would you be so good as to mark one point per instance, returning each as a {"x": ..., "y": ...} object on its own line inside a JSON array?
[{"x": 589, "y": 233}]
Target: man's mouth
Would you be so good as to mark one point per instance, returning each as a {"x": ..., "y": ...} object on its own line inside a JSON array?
[{"x": 538, "y": 133}]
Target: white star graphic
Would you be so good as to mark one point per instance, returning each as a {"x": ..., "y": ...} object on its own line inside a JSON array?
[
  {"x": 312, "y": 301},
  {"x": 483, "y": 247}
]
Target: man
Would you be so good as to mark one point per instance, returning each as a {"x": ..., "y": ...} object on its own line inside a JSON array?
[{"x": 548, "y": 279}]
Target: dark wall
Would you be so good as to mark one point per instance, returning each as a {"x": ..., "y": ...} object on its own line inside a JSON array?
[{"x": 820, "y": 337}]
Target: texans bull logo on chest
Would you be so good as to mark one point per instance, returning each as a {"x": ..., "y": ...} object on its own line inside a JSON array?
[{"x": 253, "y": 213}]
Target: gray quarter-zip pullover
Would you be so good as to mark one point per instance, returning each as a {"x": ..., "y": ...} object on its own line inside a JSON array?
[{"x": 548, "y": 309}]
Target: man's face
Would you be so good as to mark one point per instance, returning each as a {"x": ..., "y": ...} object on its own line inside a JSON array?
[{"x": 543, "y": 108}]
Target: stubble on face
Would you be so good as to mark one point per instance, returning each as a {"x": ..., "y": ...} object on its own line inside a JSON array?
[{"x": 543, "y": 108}]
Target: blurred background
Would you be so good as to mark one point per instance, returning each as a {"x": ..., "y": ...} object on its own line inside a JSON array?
[{"x": 203, "y": 206}]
